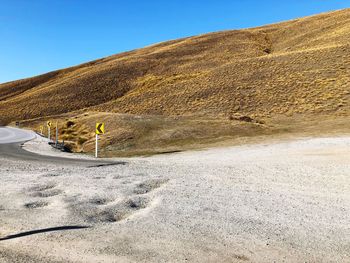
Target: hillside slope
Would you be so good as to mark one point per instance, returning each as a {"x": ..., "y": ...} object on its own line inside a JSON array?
[{"x": 295, "y": 68}]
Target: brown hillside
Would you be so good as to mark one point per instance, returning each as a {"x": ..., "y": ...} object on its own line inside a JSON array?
[{"x": 295, "y": 69}]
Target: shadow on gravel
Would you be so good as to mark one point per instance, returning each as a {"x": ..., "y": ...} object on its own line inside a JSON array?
[
  {"x": 106, "y": 164},
  {"x": 44, "y": 230}
]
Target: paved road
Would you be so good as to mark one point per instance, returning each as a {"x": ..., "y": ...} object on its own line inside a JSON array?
[
  {"x": 13, "y": 135},
  {"x": 10, "y": 148}
]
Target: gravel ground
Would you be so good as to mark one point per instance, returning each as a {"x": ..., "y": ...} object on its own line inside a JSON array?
[
  {"x": 39, "y": 145},
  {"x": 283, "y": 202}
]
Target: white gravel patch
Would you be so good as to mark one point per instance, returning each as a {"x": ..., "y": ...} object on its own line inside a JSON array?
[
  {"x": 40, "y": 145},
  {"x": 282, "y": 202}
]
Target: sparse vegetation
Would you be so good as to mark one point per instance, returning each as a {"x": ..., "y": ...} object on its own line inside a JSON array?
[{"x": 197, "y": 90}]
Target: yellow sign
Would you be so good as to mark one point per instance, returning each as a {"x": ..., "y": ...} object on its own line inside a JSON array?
[
  {"x": 100, "y": 128},
  {"x": 49, "y": 124}
]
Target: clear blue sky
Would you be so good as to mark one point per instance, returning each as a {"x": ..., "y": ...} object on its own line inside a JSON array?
[{"x": 38, "y": 36}]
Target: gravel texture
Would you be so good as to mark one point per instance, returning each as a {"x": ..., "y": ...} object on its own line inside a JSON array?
[
  {"x": 40, "y": 145},
  {"x": 282, "y": 202}
]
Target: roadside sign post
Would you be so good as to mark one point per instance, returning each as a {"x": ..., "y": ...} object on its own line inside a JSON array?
[
  {"x": 100, "y": 129},
  {"x": 96, "y": 146},
  {"x": 49, "y": 124},
  {"x": 56, "y": 133}
]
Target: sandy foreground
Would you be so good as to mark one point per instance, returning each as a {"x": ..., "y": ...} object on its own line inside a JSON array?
[{"x": 283, "y": 202}]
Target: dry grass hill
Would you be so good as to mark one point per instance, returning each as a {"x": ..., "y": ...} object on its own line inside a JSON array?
[{"x": 291, "y": 77}]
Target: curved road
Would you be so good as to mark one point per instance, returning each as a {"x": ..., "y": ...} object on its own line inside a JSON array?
[{"x": 10, "y": 148}]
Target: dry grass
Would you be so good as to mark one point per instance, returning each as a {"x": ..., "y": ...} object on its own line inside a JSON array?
[
  {"x": 131, "y": 135},
  {"x": 128, "y": 135},
  {"x": 289, "y": 71}
]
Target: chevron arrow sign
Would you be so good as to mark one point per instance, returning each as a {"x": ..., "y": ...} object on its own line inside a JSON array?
[{"x": 100, "y": 128}]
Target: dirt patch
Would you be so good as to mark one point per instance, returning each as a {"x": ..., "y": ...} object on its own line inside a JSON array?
[
  {"x": 41, "y": 187},
  {"x": 149, "y": 185},
  {"x": 52, "y": 174},
  {"x": 99, "y": 201},
  {"x": 48, "y": 193},
  {"x": 97, "y": 210},
  {"x": 35, "y": 204}
]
